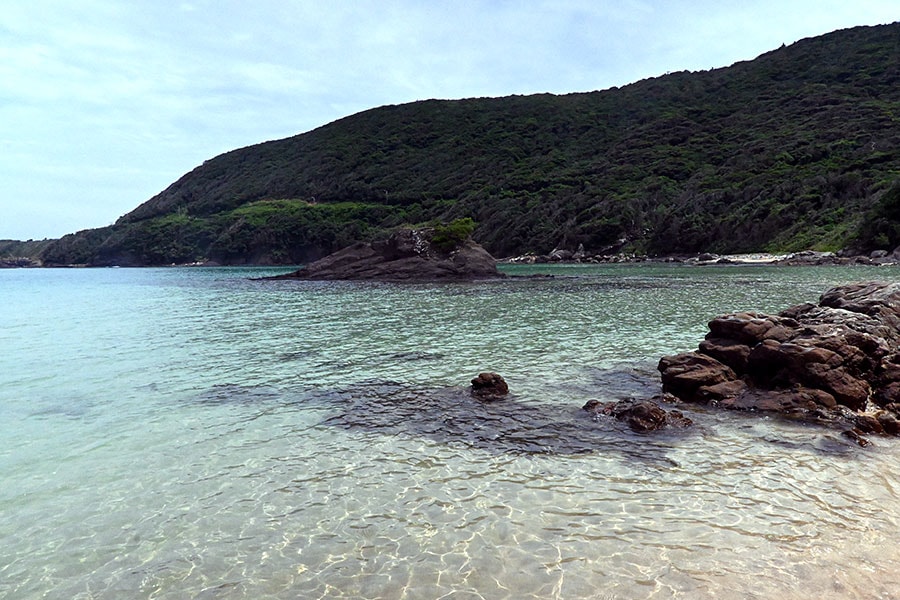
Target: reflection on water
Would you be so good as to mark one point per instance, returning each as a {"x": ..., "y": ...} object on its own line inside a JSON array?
[{"x": 190, "y": 433}]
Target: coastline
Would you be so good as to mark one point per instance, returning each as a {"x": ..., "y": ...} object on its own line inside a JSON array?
[{"x": 806, "y": 258}]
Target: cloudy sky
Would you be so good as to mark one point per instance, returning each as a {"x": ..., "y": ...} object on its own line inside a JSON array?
[{"x": 104, "y": 103}]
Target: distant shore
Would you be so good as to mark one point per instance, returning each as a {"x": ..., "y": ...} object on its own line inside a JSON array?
[{"x": 804, "y": 258}]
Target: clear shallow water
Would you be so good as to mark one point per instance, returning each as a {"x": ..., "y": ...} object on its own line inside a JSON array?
[{"x": 173, "y": 433}]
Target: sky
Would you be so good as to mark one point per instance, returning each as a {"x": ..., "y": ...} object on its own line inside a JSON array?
[{"x": 105, "y": 103}]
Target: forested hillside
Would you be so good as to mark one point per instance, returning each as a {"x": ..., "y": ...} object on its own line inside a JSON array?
[{"x": 796, "y": 149}]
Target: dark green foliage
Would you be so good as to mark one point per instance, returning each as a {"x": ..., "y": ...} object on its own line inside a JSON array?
[
  {"x": 447, "y": 237},
  {"x": 18, "y": 249},
  {"x": 881, "y": 227},
  {"x": 788, "y": 151},
  {"x": 294, "y": 231},
  {"x": 76, "y": 248}
]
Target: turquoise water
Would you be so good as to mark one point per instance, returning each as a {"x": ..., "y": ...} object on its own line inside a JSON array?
[{"x": 190, "y": 433}]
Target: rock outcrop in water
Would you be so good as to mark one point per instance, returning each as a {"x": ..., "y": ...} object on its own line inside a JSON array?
[
  {"x": 489, "y": 386},
  {"x": 407, "y": 255},
  {"x": 837, "y": 361},
  {"x": 640, "y": 415}
]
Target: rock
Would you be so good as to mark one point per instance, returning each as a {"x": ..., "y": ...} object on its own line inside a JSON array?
[
  {"x": 781, "y": 401},
  {"x": 880, "y": 301},
  {"x": 886, "y": 394},
  {"x": 721, "y": 391},
  {"x": 729, "y": 352},
  {"x": 407, "y": 255},
  {"x": 19, "y": 263},
  {"x": 524, "y": 259},
  {"x": 892, "y": 408},
  {"x": 639, "y": 415},
  {"x": 643, "y": 416},
  {"x": 684, "y": 374},
  {"x": 867, "y": 423},
  {"x": 809, "y": 257},
  {"x": 750, "y": 327},
  {"x": 839, "y": 354},
  {"x": 856, "y": 436},
  {"x": 489, "y": 386},
  {"x": 888, "y": 422}
]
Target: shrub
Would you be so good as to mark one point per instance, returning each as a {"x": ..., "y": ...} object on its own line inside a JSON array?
[{"x": 447, "y": 237}]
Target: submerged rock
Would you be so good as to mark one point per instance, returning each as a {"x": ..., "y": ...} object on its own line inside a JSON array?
[
  {"x": 407, "y": 255},
  {"x": 639, "y": 415},
  {"x": 452, "y": 415},
  {"x": 840, "y": 355}
]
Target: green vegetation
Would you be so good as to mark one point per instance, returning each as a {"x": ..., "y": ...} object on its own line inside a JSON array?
[
  {"x": 17, "y": 249},
  {"x": 447, "y": 237},
  {"x": 794, "y": 150},
  {"x": 881, "y": 227}
]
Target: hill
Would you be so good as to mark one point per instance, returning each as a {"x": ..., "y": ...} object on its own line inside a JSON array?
[
  {"x": 14, "y": 253},
  {"x": 796, "y": 149}
]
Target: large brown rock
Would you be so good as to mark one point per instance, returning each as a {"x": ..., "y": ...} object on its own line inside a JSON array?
[
  {"x": 790, "y": 400},
  {"x": 842, "y": 352},
  {"x": 684, "y": 374},
  {"x": 751, "y": 328},
  {"x": 727, "y": 351},
  {"x": 875, "y": 299},
  {"x": 407, "y": 255}
]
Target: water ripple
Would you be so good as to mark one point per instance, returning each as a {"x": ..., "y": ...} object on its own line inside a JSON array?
[{"x": 190, "y": 433}]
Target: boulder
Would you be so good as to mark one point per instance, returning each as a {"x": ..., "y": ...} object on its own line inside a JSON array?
[
  {"x": 407, "y": 255},
  {"x": 489, "y": 386},
  {"x": 684, "y": 374},
  {"x": 558, "y": 254},
  {"x": 727, "y": 351},
  {"x": 842, "y": 353}
]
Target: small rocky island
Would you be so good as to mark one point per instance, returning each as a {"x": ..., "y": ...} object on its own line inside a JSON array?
[
  {"x": 443, "y": 253},
  {"x": 836, "y": 362}
]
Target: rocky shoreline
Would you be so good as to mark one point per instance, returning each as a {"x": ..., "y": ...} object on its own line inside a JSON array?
[
  {"x": 804, "y": 258},
  {"x": 835, "y": 363},
  {"x": 19, "y": 262},
  {"x": 580, "y": 256}
]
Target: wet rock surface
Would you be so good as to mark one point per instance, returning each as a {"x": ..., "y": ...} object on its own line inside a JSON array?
[
  {"x": 506, "y": 424},
  {"x": 837, "y": 361},
  {"x": 407, "y": 255},
  {"x": 489, "y": 386},
  {"x": 640, "y": 415}
]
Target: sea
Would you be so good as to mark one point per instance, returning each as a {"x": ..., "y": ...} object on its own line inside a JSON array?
[{"x": 175, "y": 433}]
